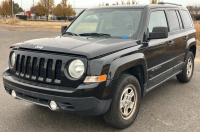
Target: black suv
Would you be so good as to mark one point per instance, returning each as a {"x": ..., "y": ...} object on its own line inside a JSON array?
[{"x": 105, "y": 66}]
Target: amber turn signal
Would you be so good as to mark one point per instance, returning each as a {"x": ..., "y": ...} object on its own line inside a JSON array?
[{"x": 90, "y": 79}]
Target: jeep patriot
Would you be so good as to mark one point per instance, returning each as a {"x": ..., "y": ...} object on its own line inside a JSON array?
[{"x": 105, "y": 61}]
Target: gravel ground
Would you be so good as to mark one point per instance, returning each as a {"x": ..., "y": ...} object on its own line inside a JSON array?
[{"x": 172, "y": 106}]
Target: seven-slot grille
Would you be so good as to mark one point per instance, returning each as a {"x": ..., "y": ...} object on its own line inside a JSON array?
[{"x": 32, "y": 67}]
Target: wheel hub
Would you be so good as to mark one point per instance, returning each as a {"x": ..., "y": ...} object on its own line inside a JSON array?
[
  {"x": 189, "y": 67},
  {"x": 128, "y": 102}
]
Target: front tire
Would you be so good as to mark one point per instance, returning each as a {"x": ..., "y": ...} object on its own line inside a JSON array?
[
  {"x": 188, "y": 69},
  {"x": 125, "y": 104}
]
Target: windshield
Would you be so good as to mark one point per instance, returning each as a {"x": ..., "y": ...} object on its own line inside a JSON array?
[{"x": 120, "y": 23}]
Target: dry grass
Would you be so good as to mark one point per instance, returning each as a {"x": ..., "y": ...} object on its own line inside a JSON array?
[
  {"x": 198, "y": 43},
  {"x": 10, "y": 21},
  {"x": 40, "y": 24},
  {"x": 197, "y": 27},
  {"x": 49, "y": 25}
]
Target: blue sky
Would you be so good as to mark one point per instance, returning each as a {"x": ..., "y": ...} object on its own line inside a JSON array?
[{"x": 26, "y": 4}]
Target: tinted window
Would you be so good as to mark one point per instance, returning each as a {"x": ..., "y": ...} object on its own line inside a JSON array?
[
  {"x": 157, "y": 19},
  {"x": 187, "y": 19},
  {"x": 174, "y": 21},
  {"x": 179, "y": 19}
]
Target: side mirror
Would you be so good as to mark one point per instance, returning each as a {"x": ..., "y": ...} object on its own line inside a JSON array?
[
  {"x": 63, "y": 28},
  {"x": 158, "y": 33}
]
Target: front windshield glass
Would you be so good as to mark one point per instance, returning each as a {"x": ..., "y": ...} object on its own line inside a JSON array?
[{"x": 120, "y": 23}]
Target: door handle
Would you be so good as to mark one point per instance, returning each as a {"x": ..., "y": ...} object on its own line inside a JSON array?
[
  {"x": 185, "y": 37},
  {"x": 170, "y": 42}
]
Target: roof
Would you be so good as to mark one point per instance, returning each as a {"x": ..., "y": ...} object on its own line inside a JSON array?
[{"x": 138, "y": 6}]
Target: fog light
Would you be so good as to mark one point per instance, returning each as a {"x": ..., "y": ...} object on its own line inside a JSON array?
[
  {"x": 13, "y": 93},
  {"x": 53, "y": 105}
]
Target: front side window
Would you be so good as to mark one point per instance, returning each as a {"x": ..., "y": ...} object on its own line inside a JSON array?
[
  {"x": 157, "y": 19},
  {"x": 174, "y": 20},
  {"x": 122, "y": 23}
]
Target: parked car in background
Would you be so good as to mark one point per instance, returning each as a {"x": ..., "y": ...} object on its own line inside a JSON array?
[
  {"x": 54, "y": 18},
  {"x": 23, "y": 17},
  {"x": 61, "y": 18},
  {"x": 71, "y": 18},
  {"x": 43, "y": 17}
]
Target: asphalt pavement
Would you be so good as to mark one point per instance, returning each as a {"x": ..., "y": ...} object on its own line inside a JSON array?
[{"x": 172, "y": 106}]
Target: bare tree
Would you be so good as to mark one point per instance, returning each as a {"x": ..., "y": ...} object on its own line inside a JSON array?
[
  {"x": 107, "y": 4},
  {"x": 123, "y": 3},
  {"x": 154, "y": 1},
  {"x": 117, "y": 2},
  {"x": 133, "y": 1},
  {"x": 194, "y": 11},
  {"x": 128, "y": 2},
  {"x": 190, "y": 9},
  {"x": 64, "y": 8}
]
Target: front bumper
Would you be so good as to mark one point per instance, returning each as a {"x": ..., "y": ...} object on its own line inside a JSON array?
[{"x": 73, "y": 101}]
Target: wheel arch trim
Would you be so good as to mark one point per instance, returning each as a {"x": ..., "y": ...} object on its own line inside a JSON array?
[
  {"x": 190, "y": 43},
  {"x": 121, "y": 64}
]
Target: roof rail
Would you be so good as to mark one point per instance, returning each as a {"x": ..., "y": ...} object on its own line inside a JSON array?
[{"x": 169, "y": 3}]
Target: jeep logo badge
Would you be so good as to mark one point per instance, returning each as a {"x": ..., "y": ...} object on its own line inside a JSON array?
[{"x": 38, "y": 47}]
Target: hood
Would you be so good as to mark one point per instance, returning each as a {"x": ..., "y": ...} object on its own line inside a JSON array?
[{"x": 89, "y": 47}]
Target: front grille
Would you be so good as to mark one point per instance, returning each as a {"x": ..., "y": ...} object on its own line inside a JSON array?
[
  {"x": 22, "y": 65},
  {"x": 49, "y": 69},
  {"x": 33, "y": 67},
  {"x": 58, "y": 69},
  {"x": 41, "y": 68},
  {"x": 28, "y": 65},
  {"x": 18, "y": 64},
  {"x": 45, "y": 68}
]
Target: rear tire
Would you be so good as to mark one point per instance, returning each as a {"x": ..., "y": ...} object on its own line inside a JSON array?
[
  {"x": 188, "y": 69},
  {"x": 126, "y": 102}
]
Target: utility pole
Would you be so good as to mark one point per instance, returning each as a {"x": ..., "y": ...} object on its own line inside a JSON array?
[
  {"x": 11, "y": 6},
  {"x": 34, "y": 10}
]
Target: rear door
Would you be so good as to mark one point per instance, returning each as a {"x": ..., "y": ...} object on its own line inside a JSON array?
[
  {"x": 178, "y": 38},
  {"x": 159, "y": 61}
]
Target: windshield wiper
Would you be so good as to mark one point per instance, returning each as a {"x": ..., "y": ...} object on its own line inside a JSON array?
[
  {"x": 70, "y": 33},
  {"x": 96, "y": 34}
]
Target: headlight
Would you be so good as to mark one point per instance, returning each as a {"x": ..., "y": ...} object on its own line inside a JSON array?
[
  {"x": 12, "y": 59},
  {"x": 76, "y": 69}
]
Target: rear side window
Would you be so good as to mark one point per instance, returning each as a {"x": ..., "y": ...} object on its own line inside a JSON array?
[
  {"x": 174, "y": 20},
  {"x": 187, "y": 19},
  {"x": 157, "y": 19}
]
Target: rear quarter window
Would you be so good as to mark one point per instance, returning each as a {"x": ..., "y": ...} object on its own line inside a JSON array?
[{"x": 187, "y": 19}]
